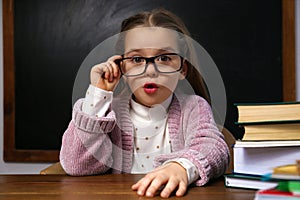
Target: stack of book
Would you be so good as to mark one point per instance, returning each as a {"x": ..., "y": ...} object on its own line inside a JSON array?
[
  {"x": 283, "y": 178},
  {"x": 271, "y": 139},
  {"x": 269, "y": 121},
  {"x": 284, "y": 191},
  {"x": 288, "y": 187}
]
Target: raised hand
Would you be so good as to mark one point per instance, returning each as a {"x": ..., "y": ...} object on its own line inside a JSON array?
[{"x": 106, "y": 75}]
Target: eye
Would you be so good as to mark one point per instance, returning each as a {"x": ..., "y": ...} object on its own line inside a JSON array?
[
  {"x": 137, "y": 60},
  {"x": 163, "y": 58}
]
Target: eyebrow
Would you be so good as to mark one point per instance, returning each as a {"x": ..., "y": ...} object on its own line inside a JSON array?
[{"x": 160, "y": 49}]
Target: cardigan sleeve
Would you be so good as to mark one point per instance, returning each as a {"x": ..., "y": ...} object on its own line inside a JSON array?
[
  {"x": 86, "y": 146},
  {"x": 195, "y": 136}
]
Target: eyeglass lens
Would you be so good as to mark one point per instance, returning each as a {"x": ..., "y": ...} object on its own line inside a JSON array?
[{"x": 165, "y": 63}]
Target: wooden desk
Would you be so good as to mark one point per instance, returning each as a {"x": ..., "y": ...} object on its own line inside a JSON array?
[{"x": 101, "y": 187}]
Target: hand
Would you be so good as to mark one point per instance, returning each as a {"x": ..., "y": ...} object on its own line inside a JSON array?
[
  {"x": 172, "y": 175},
  {"x": 106, "y": 75}
]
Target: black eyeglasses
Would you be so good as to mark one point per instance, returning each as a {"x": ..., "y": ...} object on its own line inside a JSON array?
[{"x": 163, "y": 63}]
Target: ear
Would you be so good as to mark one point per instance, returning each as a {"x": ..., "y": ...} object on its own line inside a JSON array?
[{"x": 184, "y": 70}]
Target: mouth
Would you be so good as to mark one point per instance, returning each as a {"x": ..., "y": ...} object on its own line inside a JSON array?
[{"x": 150, "y": 88}]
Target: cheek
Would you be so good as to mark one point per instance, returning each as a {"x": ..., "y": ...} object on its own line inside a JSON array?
[
  {"x": 135, "y": 83},
  {"x": 170, "y": 82}
]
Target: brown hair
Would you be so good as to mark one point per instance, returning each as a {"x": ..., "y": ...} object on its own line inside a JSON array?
[{"x": 166, "y": 19}]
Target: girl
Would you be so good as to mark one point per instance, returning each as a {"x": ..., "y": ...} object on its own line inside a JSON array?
[{"x": 148, "y": 128}]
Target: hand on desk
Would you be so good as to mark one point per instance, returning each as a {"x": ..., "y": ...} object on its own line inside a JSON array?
[{"x": 172, "y": 175}]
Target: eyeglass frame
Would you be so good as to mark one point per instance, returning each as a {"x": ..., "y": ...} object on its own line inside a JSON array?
[{"x": 149, "y": 59}]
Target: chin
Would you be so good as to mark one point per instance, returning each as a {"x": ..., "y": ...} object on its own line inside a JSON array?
[
  {"x": 149, "y": 103},
  {"x": 145, "y": 100}
]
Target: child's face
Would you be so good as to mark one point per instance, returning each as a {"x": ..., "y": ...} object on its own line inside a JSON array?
[{"x": 152, "y": 87}]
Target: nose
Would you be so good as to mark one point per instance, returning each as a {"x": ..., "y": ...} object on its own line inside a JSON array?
[{"x": 151, "y": 70}]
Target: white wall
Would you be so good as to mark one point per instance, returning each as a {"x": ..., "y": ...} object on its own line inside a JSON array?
[{"x": 21, "y": 168}]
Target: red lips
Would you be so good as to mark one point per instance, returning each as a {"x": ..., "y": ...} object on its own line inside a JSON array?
[{"x": 150, "y": 88}]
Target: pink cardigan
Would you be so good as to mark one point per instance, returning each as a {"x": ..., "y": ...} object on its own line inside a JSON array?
[{"x": 102, "y": 145}]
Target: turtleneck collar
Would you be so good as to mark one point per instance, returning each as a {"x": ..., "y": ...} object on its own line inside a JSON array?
[{"x": 154, "y": 113}]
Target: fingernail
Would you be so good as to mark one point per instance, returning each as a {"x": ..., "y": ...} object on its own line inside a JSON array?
[
  {"x": 148, "y": 194},
  {"x": 164, "y": 195}
]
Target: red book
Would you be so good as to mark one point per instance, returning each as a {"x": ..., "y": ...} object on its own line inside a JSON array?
[{"x": 275, "y": 194}]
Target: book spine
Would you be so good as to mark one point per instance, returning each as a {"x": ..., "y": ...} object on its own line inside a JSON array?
[{"x": 267, "y": 122}]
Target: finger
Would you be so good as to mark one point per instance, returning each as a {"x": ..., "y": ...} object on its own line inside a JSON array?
[
  {"x": 142, "y": 185},
  {"x": 97, "y": 72},
  {"x": 155, "y": 185},
  {"x": 108, "y": 72},
  {"x": 115, "y": 57},
  {"x": 181, "y": 189},
  {"x": 169, "y": 188},
  {"x": 115, "y": 68},
  {"x": 98, "y": 69},
  {"x": 137, "y": 184},
  {"x": 113, "y": 60}
]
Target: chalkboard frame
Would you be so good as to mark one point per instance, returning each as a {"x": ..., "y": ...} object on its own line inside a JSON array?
[{"x": 12, "y": 154}]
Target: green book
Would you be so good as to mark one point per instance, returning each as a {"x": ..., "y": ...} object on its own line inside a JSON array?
[{"x": 289, "y": 186}]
